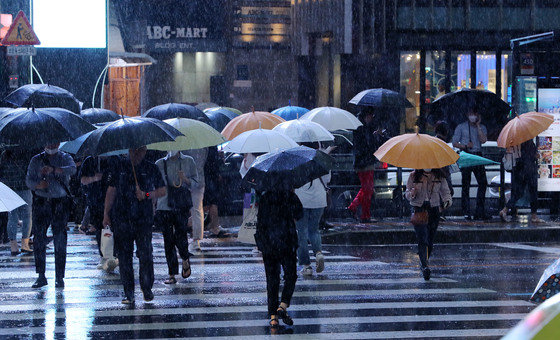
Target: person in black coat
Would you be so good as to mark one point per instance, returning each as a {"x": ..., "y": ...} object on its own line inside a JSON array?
[{"x": 276, "y": 238}]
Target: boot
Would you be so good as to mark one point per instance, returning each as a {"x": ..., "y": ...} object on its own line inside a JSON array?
[
  {"x": 14, "y": 247},
  {"x": 25, "y": 246}
]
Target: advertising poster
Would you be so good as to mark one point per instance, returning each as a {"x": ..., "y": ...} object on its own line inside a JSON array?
[{"x": 548, "y": 142}]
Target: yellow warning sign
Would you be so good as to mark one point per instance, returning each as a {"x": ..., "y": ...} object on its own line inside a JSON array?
[{"x": 20, "y": 32}]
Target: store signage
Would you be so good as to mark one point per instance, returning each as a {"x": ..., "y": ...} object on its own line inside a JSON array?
[
  {"x": 20, "y": 32},
  {"x": 264, "y": 29},
  {"x": 25, "y": 50},
  {"x": 266, "y": 11},
  {"x": 548, "y": 142},
  {"x": 168, "y": 32},
  {"x": 527, "y": 64}
]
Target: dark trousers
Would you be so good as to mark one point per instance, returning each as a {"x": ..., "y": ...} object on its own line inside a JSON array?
[
  {"x": 125, "y": 234},
  {"x": 174, "y": 227},
  {"x": 272, "y": 265},
  {"x": 425, "y": 235},
  {"x": 523, "y": 180},
  {"x": 54, "y": 213},
  {"x": 480, "y": 175},
  {"x": 96, "y": 220},
  {"x": 4, "y": 227}
]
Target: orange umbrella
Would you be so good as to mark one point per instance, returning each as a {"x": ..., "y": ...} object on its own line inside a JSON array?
[
  {"x": 524, "y": 127},
  {"x": 251, "y": 121},
  {"x": 416, "y": 151}
]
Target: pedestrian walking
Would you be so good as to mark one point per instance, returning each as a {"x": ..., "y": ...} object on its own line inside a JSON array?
[
  {"x": 94, "y": 178},
  {"x": 213, "y": 181},
  {"x": 469, "y": 137},
  {"x": 524, "y": 178},
  {"x": 197, "y": 194},
  {"x": 173, "y": 211},
  {"x": 134, "y": 185},
  {"x": 276, "y": 238},
  {"x": 428, "y": 194},
  {"x": 367, "y": 140},
  {"x": 13, "y": 171},
  {"x": 48, "y": 175}
]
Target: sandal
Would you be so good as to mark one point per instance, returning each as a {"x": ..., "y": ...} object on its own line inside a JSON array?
[
  {"x": 274, "y": 322},
  {"x": 186, "y": 272},
  {"x": 282, "y": 313},
  {"x": 170, "y": 281}
]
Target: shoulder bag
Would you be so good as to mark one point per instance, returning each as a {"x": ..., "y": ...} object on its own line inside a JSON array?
[{"x": 178, "y": 196}]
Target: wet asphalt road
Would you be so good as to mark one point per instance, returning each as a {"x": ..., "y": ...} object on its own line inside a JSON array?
[{"x": 368, "y": 292}]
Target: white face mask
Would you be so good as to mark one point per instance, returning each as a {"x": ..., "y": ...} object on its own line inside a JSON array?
[
  {"x": 427, "y": 170},
  {"x": 173, "y": 153},
  {"x": 473, "y": 118},
  {"x": 51, "y": 151}
]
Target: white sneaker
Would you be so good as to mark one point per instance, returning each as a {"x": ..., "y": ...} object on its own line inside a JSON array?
[
  {"x": 320, "y": 259},
  {"x": 111, "y": 265},
  {"x": 102, "y": 262},
  {"x": 307, "y": 271},
  {"x": 194, "y": 248}
]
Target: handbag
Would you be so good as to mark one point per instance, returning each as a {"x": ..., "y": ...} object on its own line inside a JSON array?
[
  {"x": 178, "y": 197},
  {"x": 328, "y": 191},
  {"x": 419, "y": 218},
  {"x": 248, "y": 229}
]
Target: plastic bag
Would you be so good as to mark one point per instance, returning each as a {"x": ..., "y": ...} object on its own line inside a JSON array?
[{"x": 107, "y": 243}]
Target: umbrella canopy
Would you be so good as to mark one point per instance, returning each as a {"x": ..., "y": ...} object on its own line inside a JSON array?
[
  {"x": 251, "y": 121},
  {"x": 467, "y": 160},
  {"x": 542, "y": 323},
  {"x": 219, "y": 117},
  {"x": 454, "y": 106},
  {"x": 549, "y": 284},
  {"x": 9, "y": 200},
  {"x": 523, "y": 128},
  {"x": 40, "y": 127},
  {"x": 43, "y": 95},
  {"x": 290, "y": 112},
  {"x": 197, "y": 135},
  {"x": 332, "y": 118},
  {"x": 380, "y": 98},
  {"x": 174, "y": 110},
  {"x": 205, "y": 106},
  {"x": 294, "y": 167},
  {"x": 303, "y": 131},
  {"x": 416, "y": 151},
  {"x": 236, "y": 111},
  {"x": 96, "y": 116},
  {"x": 127, "y": 133},
  {"x": 73, "y": 146},
  {"x": 258, "y": 141}
]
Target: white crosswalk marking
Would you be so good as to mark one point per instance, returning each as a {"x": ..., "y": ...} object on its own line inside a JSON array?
[{"x": 225, "y": 298}]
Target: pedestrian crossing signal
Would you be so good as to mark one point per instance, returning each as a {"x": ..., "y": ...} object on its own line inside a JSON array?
[{"x": 20, "y": 32}]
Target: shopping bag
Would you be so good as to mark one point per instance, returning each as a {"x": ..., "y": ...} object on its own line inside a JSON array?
[
  {"x": 107, "y": 243},
  {"x": 249, "y": 225}
]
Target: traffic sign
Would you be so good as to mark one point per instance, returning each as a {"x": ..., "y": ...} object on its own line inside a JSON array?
[
  {"x": 25, "y": 50},
  {"x": 20, "y": 32}
]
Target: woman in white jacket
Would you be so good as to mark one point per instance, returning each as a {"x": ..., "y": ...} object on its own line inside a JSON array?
[
  {"x": 313, "y": 197},
  {"x": 427, "y": 190}
]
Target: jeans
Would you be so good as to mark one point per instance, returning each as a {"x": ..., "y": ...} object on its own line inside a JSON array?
[
  {"x": 425, "y": 235},
  {"x": 308, "y": 230},
  {"x": 125, "y": 234},
  {"x": 21, "y": 213},
  {"x": 51, "y": 212},
  {"x": 197, "y": 211},
  {"x": 272, "y": 265},
  {"x": 480, "y": 175},
  {"x": 174, "y": 227},
  {"x": 363, "y": 198}
]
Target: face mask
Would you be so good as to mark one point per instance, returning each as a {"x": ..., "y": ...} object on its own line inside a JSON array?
[
  {"x": 473, "y": 118},
  {"x": 427, "y": 170},
  {"x": 173, "y": 153},
  {"x": 51, "y": 151}
]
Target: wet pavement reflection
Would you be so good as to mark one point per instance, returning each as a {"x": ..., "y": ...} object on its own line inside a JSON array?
[{"x": 374, "y": 291}]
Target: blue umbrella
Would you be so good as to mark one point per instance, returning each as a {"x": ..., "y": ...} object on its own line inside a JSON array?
[
  {"x": 290, "y": 112},
  {"x": 381, "y": 98},
  {"x": 468, "y": 160},
  {"x": 174, "y": 110},
  {"x": 219, "y": 117},
  {"x": 74, "y": 145},
  {"x": 43, "y": 95},
  {"x": 94, "y": 116}
]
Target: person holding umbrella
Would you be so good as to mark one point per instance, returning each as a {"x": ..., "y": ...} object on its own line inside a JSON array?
[
  {"x": 48, "y": 175},
  {"x": 133, "y": 185},
  {"x": 469, "y": 137}
]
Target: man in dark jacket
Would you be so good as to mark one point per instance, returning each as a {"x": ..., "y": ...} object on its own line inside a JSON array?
[{"x": 367, "y": 140}]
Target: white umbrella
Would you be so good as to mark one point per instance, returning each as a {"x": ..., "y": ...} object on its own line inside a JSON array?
[
  {"x": 9, "y": 200},
  {"x": 304, "y": 131},
  {"x": 332, "y": 118},
  {"x": 259, "y": 141}
]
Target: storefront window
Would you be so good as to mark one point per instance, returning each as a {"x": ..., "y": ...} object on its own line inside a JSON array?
[
  {"x": 410, "y": 86},
  {"x": 527, "y": 94},
  {"x": 435, "y": 75},
  {"x": 460, "y": 70},
  {"x": 506, "y": 76},
  {"x": 486, "y": 71}
]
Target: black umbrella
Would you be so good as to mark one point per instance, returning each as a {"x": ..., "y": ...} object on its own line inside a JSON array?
[
  {"x": 127, "y": 133},
  {"x": 174, "y": 110},
  {"x": 293, "y": 167},
  {"x": 40, "y": 127},
  {"x": 43, "y": 95},
  {"x": 96, "y": 116},
  {"x": 549, "y": 283},
  {"x": 219, "y": 117},
  {"x": 454, "y": 106},
  {"x": 381, "y": 98}
]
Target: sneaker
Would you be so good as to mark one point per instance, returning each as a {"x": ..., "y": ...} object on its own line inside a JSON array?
[
  {"x": 320, "y": 259},
  {"x": 307, "y": 271},
  {"x": 41, "y": 281},
  {"x": 102, "y": 263},
  {"x": 194, "y": 248},
  {"x": 148, "y": 295},
  {"x": 111, "y": 264},
  {"x": 128, "y": 301}
]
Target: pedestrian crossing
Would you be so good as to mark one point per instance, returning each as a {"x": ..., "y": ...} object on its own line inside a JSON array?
[{"x": 225, "y": 298}]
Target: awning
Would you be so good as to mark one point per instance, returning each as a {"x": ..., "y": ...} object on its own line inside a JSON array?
[{"x": 126, "y": 59}]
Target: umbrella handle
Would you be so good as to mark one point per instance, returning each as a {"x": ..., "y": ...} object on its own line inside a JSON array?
[{"x": 134, "y": 173}]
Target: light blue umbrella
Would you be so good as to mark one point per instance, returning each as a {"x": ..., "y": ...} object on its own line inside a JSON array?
[
  {"x": 468, "y": 160},
  {"x": 290, "y": 112}
]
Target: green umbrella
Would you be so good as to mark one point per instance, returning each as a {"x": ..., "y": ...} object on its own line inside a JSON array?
[
  {"x": 236, "y": 111},
  {"x": 467, "y": 160},
  {"x": 197, "y": 135}
]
